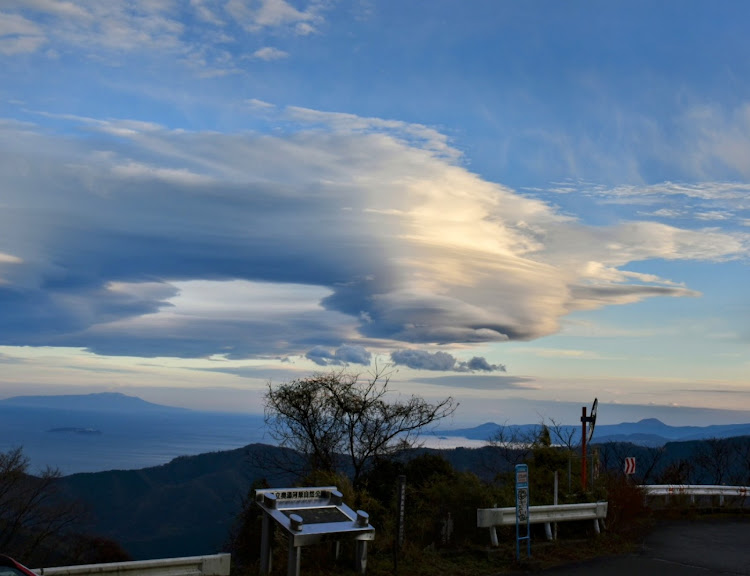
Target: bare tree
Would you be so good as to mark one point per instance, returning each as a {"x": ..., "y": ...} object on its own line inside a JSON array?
[
  {"x": 329, "y": 416},
  {"x": 31, "y": 512},
  {"x": 649, "y": 459},
  {"x": 712, "y": 457},
  {"x": 677, "y": 472},
  {"x": 513, "y": 444},
  {"x": 564, "y": 435},
  {"x": 741, "y": 448}
]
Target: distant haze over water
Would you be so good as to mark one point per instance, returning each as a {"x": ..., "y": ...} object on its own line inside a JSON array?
[
  {"x": 110, "y": 431},
  {"x": 88, "y": 439}
]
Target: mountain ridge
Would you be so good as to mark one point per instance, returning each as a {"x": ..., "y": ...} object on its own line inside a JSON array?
[
  {"x": 647, "y": 432},
  {"x": 96, "y": 401}
]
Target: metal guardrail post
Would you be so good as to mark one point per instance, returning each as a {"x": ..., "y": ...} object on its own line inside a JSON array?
[{"x": 493, "y": 537}]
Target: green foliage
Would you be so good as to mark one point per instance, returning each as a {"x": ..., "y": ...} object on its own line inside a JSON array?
[
  {"x": 445, "y": 509},
  {"x": 328, "y": 478},
  {"x": 95, "y": 550},
  {"x": 441, "y": 502},
  {"x": 156, "y": 512},
  {"x": 186, "y": 507},
  {"x": 545, "y": 461},
  {"x": 244, "y": 535}
]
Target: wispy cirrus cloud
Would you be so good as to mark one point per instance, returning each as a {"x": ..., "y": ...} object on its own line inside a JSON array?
[{"x": 482, "y": 382}]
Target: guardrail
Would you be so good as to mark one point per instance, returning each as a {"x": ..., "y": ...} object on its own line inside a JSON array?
[
  {"x": 214, "y": 565},
  {"x": 493, "y": 517},
  {"x": 694, "y": 490}
]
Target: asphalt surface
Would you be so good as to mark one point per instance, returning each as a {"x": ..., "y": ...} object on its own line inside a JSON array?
[{"x": 686, "y": 548}]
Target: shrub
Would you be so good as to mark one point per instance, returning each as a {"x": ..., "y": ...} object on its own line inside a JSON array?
[{"x": 627, "y": 511}]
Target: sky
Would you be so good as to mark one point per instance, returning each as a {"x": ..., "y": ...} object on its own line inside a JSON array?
[{"x": 523, "y": 205}]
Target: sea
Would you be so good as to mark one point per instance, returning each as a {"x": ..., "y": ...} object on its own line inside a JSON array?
[
  {"x": 80, "y": 441},
  {"x": 77, "y": 441}
]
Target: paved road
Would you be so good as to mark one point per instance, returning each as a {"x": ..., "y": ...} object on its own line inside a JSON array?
[{"x": 699, "y": 548}]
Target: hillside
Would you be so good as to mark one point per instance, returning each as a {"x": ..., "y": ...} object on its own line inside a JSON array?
[{"x": 187, "y": 506}]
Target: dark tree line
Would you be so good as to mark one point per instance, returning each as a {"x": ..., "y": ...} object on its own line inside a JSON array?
[
  {"x": 38, "y": 524},
  {"x": 710, "y": 461}
]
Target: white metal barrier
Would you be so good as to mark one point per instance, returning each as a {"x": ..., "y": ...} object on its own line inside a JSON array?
[
  {"x": 214, "y": 565},
  {"x": 694, "y": 490},
  {"x": 493, "y": 517}
]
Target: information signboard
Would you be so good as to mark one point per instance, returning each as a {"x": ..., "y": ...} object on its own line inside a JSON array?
[
  {"x": 522, "y": 509},
  {"x": 309, "y": 515}
]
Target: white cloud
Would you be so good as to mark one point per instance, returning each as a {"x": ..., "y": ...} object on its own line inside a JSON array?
[
  {"x": 269, "y": 54},
  {"x": 392, "y": 240},
  {"x": 9, "y": 259},
  {"x": 6, "y": 259},
  {"x": 304, "y": 28},
  {"x": 138, "y": 26},
  {"x": 136, "y": 170},
  {"x": 206, "y": 13},
  {"x": 112, "y": 31},
  {"x": 710, "y": 191},
  {"x": 256, "y": 104},
  {"x": 50, "y": 7},
  {"x": 419, "y": 134},
  {"x": 233, "y": 317},
  {"x": 254, "y": 15},
  {"x": 19, "y": 35}
]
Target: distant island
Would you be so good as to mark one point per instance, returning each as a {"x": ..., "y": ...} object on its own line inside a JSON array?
[
  {"x": 74, "y": 430},
  {"x": 96, "y": 402}
]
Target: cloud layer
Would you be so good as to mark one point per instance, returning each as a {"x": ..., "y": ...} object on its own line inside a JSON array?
[{"x": 333, "y": 236}]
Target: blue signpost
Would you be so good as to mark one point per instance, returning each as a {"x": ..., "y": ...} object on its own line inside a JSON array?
[{"x": 522, "y": 509}]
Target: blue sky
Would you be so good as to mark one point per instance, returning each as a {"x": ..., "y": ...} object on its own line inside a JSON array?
[{"x": 525, "y": 205}]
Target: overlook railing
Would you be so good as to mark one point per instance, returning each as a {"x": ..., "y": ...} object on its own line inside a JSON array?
[
  {"x": 693, "y": 490},
  {"x": 214, "y": 565},
  {"x": 493, "y": 517}
]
